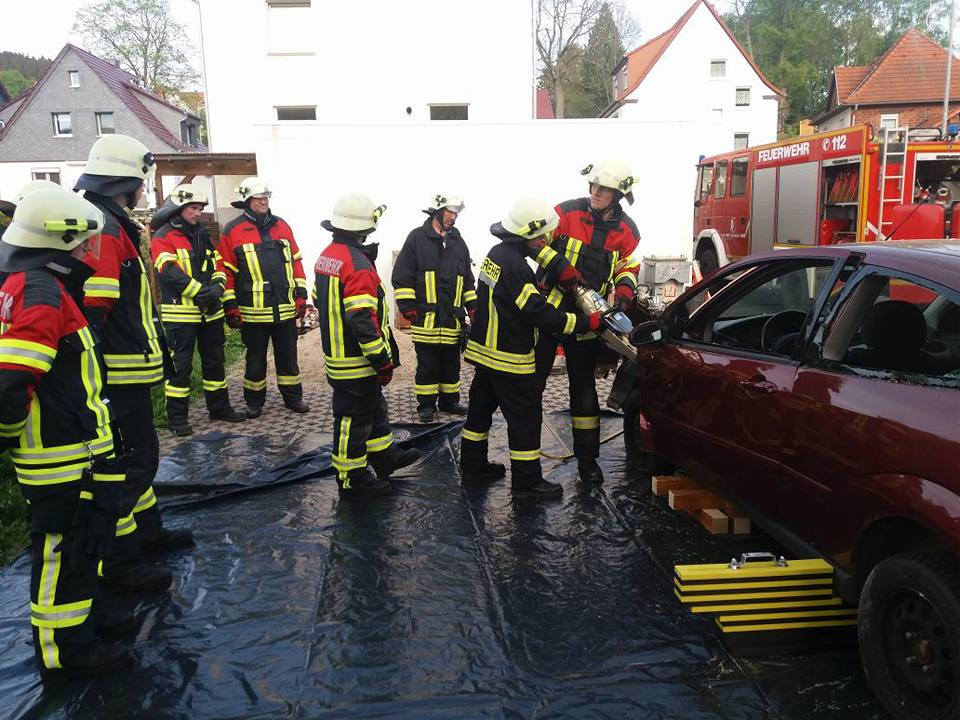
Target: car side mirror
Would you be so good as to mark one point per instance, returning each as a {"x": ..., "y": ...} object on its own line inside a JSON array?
[{"x": 646, "y": 333}]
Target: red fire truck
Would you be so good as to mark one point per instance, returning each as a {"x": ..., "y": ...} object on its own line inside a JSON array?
[{"x": 848, "y": 185}]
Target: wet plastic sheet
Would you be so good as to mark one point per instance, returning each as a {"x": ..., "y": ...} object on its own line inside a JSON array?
[{"x": 437, "y": 601}]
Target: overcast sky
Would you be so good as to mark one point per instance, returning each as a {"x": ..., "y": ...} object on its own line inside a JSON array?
[{"x": 41, "y": 27}]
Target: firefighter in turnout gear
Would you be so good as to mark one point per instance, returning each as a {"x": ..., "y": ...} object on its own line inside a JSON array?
[
  {"x": 118, "y": 303},
  {"x": 266, "y": 294},
  {"x": 434, "y": 289},
  {"x": 191, "y": 279},
  {"x": 592, "y": 246},
  {"x": 510, "y": 313},
  {"x": 55, "y": 421},
  {"x": 358, "y": 349}
]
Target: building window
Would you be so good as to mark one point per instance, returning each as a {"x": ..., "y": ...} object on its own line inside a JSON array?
[
  {"x": 74, "y": 78},
  {"x": 891, "y": 121},
  {"x": 289, "y": 28},
  {"x": 448, "y": 112},
  {"x": 105, "y": 123},
  {"x": 616, "y": 87},
  {"x": 62, "y": 126},
  {"x": 189, "y": 133},
  {"x": 51, "y": 175},
  {"x": 741, "y": 141},
  {"x": 716, "y": 115},
  {"x": 718, "y": 68},
  {"x": 743, "y": 97},
  {"x": 297, "y": 112},
  {"x": 623, "y": 79}
]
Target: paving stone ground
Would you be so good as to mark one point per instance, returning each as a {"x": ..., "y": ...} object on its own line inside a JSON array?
[{"x": 276, "y": 419}]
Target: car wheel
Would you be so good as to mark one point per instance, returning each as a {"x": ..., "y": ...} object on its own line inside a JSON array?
[
  {"x": 708, "y": 261},
  {"x": 909, "y": 631},
  {"x": 647, "y": 463}
]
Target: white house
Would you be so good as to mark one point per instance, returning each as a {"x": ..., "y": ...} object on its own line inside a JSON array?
[{"x": 698, "y": 70}]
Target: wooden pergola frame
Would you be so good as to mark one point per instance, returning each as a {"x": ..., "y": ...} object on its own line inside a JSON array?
[{"x": 190, "y": 165}]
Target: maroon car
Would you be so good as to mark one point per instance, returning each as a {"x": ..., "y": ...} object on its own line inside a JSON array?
[{"x": 820, "y": 389}]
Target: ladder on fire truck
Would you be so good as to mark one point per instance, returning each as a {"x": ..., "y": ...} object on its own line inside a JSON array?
[{"x": 888, "y": 159}]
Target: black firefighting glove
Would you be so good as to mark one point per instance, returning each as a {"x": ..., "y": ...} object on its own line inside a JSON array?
[
  {"x": 208, "y": 299},
  {"x": 464, "y": 336},
  {"x": 94, "y": 522}
]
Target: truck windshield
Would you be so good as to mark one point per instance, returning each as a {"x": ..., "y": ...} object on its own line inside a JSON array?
[{"x": 706, "y": 178}]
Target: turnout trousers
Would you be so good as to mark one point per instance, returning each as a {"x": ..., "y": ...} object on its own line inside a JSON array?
[
  {"x": 519, "y": 399},
  {"x": 256, "y": 337},
  {"x": 438, "y": 374},
  {"x": 581, "y": 358},
  {"x": 208, "y": 338},
  {"x": 361, "y": 428}
]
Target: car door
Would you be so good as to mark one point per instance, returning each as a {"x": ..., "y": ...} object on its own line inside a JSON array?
[{"x": 722, "y": 411}]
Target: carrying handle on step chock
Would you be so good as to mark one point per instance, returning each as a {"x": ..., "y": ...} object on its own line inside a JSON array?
[{"x": 755, "y": 556}]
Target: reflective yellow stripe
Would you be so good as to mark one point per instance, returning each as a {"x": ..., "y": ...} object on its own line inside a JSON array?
[
  {"x": 292, "y": 282},
  {"x": 133, "y": 360},
  {"x": 503, "y": 355},
  {"x": 404, "y": 294},
  {"x": 493, "y": 322},
  {"x": 572, "y": 251},
  {"x": 555, "y": 296},
  {"x": 92, "y": 378},
  {"x": 214, "y": 385},
  {"x": 458, "y": 292},
  {"x": 162, "y": 259},
  {"x": 35, "y": 477},
  {"x": 146, "y": 314},
  {"x": 191, "y": 290},
  {"x": 525, "y": 455},
  {"x": 126, "y": 525},
  {"x": 374, "y": 347},
  {"x": 470, "y": 296},
  {"x": 585, "y": 422},
  {"x": 288, "y": 379},
  {"x": 430, "y": 278},
  {"x": 474, "y": 436},
  {"x": 337, "y": 347},
  {"x": 350, "y": 374},
  {"x": 47, "y": 597},
  {"x": 12, "y": 429},
  {"x": 99, "y": 477},
  {"x": 379, "y": 444},
  {"x": 450, "y": 387},
  {"x": 102, "y": 287},
  {"x": 570, "y": 324},
  {"x": 256, "y": 274},
  {"x": 147, "y": 500},
  {"x": 546, "y": 255},
  {"x": 27, "y": 353},
  {"x": 426, "y": 389},
  {"x": 254, "y": 384},
  {"x": 475, "y": 353},
  {"x": 173, "y": 391},
  {"x": 229, "y": 295},
  {"x": 526, "y": 292},
  {"x": 346, "y": 362},
  {"x": 60, "y": 616},
  {"x": 147, "y": 376},
  {"x": 101, "y": 444},
  {"x": 355, "y": 302}
]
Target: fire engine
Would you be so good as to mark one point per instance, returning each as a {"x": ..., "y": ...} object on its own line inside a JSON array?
[{"x": 848, "y": 185}]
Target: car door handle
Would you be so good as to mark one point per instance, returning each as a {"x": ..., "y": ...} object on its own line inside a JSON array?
[{"x": 758, "y": 385}]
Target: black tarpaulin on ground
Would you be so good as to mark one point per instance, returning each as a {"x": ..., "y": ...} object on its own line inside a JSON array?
[{"x": 433, "y": 602}]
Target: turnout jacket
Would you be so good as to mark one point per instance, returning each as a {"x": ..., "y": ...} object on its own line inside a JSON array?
[
  {"x": 263, "y": 266},
  {"x": 118, "y": 303},
  {"x": 185, "y": 261},
  {"x": 434, "y": 278},
  {"x": 53, "y": 417},
  {"x": 510, "y": 311},
  {"x": 354, "y": 318},
  {"x": 602, "y": 250}
]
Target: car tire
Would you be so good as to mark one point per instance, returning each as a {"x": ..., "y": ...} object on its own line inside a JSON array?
[
  {"x": 909, "y": 628},
  {"x": 647, "y": 463},
  {"x": 708, "y": 261}
]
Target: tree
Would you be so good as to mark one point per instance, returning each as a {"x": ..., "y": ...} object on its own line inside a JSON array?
[
  {"x": 143, "y": 37},
  {"x": 15, "y": 82},
  {"x": 604, "y": 50}
]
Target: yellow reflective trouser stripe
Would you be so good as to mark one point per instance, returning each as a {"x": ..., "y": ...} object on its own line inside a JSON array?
[
  {"x": 341, "y": 461},
  {"x": 126, "y": 525},
  {"x": 47, "y": 597},
  {"x": 585, "y": 422},
  {"x": 288, "y": 379},
  {"x": 458, "y": 293},
  {"x": 254, "y": 384},
  {"x": 470, "y": 295},
  {"x": 145, "y": 501},
  {"x": 570, "y": 324},
  {"x": 102, "y": 287},
  {"x": 524, "y": 454},
  {"x": 355, "y": 302},
  {"x": 426, "y": 389},
  {"x": 430, "y": 278},
  {"x": 214, "y": 385},
  {"x": 450, "y": 387},
  {"x": 404, "y": 293},
  {"x": 493, "y": 322},
  {"x": 474, "y": 436},
  {"x": 175, "y": 391},
  {"x": 55, "y": 617},
  {"x": 526, "y": 292},
  {"x": 380, "y": 444}
]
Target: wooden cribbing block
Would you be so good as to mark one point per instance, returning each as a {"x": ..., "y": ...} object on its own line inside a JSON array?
[
  {"x": 662, "y": 484},
  {"x": 693, "y": 499},
  {"x": 739, "y": 523},
  {"x": 714, "y": 520}
]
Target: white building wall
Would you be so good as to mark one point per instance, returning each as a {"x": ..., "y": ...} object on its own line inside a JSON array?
[
  {"x": 14, "y": 175},
  {"x": 364, "y": 61},
  {"x": 490, "y": 165},
  {"x": 842, "y": 119},
  {"x": 679, "y": 87}
]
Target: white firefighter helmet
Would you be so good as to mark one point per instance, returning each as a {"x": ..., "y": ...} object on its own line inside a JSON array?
[
  {"x": 611, "y": 174},
  {"x": 528, "y": 218},
  {"x": 32, "y": 187},
  {"x": 53, "y": 219},
  {"x": 120, "y": 156},
  {"x": 354, "y": 212},
  {"x": 450, "y": 202},
  {"x": 187, "y": 194},
  {"x": 253, "y": 187}
]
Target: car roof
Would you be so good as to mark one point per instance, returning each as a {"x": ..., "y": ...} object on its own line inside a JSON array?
[{"x": 934, "y": 260}]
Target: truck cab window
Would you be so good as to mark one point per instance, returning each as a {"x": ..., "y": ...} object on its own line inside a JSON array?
[
  {"x": 738, "y": 177},
  {"x": 706, "y": 178},
  {"x": 720, "y": 186}
]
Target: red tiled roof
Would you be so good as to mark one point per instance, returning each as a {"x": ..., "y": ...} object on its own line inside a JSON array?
[
  {"x": 912, "y": 70},
  {"x": 847, "y": 78},
  {"x": 544, "y": 105},
  {"x": 642, "y": 59}
]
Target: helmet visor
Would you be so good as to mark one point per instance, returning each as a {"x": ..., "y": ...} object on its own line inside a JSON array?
[{"x": 88, "y": 251}]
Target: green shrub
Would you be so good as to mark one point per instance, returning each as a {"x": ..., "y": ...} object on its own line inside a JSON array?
[{"x": 13, "y": 513}]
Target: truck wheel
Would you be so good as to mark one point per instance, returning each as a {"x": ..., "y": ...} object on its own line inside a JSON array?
[
  {"x": 909, "y": 629},
  {"x": 708, "y": 261},
  {"x": 647, "y": 463}
]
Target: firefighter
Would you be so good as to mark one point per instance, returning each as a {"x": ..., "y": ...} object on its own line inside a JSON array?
[
  {"x": 266, "y": 294},
  {"x": 593, "y": 246},
  {"x": 510, "y": 312},
  {"x": 358, "y": 349},
  {"x": 6, "y": 214},
  {"x": 55, "y": 421},
  {"x": 118, "y": 304},
  {"x": 434, "y": 289},
  {"x": 191, "y": 280}
]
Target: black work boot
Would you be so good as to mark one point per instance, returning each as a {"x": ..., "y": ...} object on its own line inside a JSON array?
[
  {"x": 539, "y": 489},
  {"x": 589, "y": 470},
  {"x": 98, "y": 659},
  {"x": 180, "y": 428},
  {"x": 480, "y": 473},
  {"x": 454, "y": 409},
  {"x": 229, "y": 415},
  {"x": 392, "y": 460},
  {"x": 167, "y": 540},
  {"x": 427, "y": 414},
  {"x": 111, "y": 622},
  {"x": 138, "y": 579},
  {"x": 298, "y": 406},
  {"x": 253, "y": 411},
  {"x": 363, "y": 483}
]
